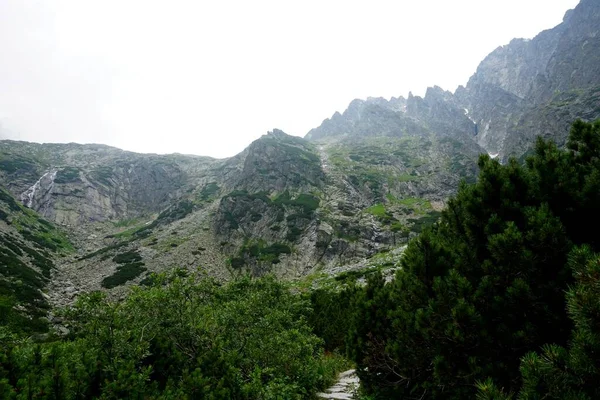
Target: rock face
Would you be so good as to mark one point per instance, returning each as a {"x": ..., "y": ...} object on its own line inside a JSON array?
[
  {"x": 363, "y": 182},
  {"x": 537, "y": 87},
  {"x": 74, "y": 184}
]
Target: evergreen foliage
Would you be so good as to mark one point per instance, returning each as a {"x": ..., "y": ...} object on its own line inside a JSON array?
[
  {"x": 566, "y": 373},
  {"x": 180, "y": 338},
  {"x": 499, "y": 299},
  {"x": 484, "y": 288}
]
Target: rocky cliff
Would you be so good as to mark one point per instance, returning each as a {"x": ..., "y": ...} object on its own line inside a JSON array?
[
  {"x": 360, "y": 184},
  {"x": 538, "y": 86}
]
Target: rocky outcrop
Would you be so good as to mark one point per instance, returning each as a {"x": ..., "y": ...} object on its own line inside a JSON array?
[
  {"x": 78, "y": 184},
  {"x": 517, "y": 86},
  {"x": 364, "y": 181}
]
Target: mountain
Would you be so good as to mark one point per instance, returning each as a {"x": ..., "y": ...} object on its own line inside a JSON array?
[
  {"x": 538, "y": 86},
  {"x": 524, "y": 89},
  {"x": 29, "y": 248},
  {"x": 284, "y": 205},
  {"x": 359, "y": 185}
]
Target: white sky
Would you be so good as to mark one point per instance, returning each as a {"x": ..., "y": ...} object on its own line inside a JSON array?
[{"x": 208, "y": 77}]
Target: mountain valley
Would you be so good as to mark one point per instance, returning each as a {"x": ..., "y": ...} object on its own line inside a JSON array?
[
  {"x": 435, "y": 247},
  {"x": 361, "y": 183}
]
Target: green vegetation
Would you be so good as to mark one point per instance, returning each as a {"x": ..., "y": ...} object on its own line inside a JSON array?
[
  {"x": 300, "y": 210},
  {"x": 346, "y": 230},
  {"x": 208, "y": 191},
  {"x": 130, "y": 267},
  {"x": 10, "y": 201},
  {"x": 179, "y": 338},
  {"x": 102, "y": 175},
  {"x": 171, "y": 214},
  {"x": 176, "y": 212},
  {"x": 21, "y": 285},
  {"x": 499, "y": 299},
  {"x": 10, "y": 163},
  {"x": 419, "y": 224},
  {"x": 126, "y": 222},
  {"x": 127, "y": 257},
  {"x": 26, "y": 252},
  {"x": 31, "y": 226},
  {"x": 377, "y": 210},
  {"x": 260, "y": 252},
  {"x": 307, "y": 202},
  {"x": 250, "y": 196},
  {"x": 103, "y": 250},
  {"x": 557, "y": 372},
  {"x": 67, "y": 175},
  {"x": 479, "y": 307},
  {"x": 407, "y": 178},
  {"x": 416, "y": 204},
  {"x": 123, "y": 274},
  {"x": 295, "y": 147}
]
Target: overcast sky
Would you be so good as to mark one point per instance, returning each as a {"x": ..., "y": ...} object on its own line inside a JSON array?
[{"x": 208, "y": 77}]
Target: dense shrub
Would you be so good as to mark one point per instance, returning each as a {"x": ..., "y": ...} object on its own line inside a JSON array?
[
  {"x": 486, "y": 285},
  {"x": 179, "y": 338}
]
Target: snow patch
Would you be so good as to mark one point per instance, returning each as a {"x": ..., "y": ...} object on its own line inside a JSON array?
[
  {"x": 468, "y": 116},
  {"x": 493, "y": 155}
]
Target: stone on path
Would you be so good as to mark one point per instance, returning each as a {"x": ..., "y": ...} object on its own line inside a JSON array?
[{"x": 344, "y": 389}]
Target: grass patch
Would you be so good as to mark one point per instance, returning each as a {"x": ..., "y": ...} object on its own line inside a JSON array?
[{"x": 377, "y": 210}]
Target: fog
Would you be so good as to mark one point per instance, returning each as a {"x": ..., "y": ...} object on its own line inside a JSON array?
[{"x": 207, "y": 78}]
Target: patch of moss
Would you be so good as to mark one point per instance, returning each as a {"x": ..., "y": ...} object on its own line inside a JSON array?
[
  {"x": 377, "y": 210},
  {"x": 126, "y": 222}
]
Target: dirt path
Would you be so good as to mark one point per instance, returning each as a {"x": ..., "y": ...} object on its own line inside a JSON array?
[{"x": 344, "y": 389}]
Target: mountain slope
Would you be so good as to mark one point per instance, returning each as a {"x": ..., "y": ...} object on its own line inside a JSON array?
[
  {"x": 29, "y": 248},
  {"x": 361, "y": 183},
  {"x": 538, "y": 86}
]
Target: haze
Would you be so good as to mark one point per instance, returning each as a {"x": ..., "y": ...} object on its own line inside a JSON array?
[{"x": 207, "y": 78}]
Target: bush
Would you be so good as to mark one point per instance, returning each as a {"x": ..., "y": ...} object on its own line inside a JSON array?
[
  {"x": 485, "y": 286},
  {"x": 123, "y": 274},
  {"x": 181, "y": 337}
]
